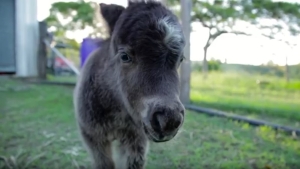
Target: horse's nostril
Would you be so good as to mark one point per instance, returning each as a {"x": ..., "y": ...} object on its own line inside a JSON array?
[
  {"x": 176, "y": 124},
  {"x": 165, "y": 122},
  {"x": 158, "y": 121},
  {"x": 182, "y": 112},
  {"x": 172, "y": 125}
]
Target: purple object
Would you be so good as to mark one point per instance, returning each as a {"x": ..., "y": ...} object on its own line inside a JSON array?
[{"x": 88, "y": 45}]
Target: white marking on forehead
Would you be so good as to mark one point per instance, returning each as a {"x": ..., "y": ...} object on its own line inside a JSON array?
[{"x": 173, "y": 35}]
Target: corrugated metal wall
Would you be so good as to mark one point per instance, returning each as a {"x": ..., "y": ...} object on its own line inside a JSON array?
[{"x": 7, "y": 36}]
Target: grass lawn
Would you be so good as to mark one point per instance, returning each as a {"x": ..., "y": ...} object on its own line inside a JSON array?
[
  {"x": 69, "y": 79},
  {"x": 37, "y": 130},
  {"x": 238, "y": 93}
]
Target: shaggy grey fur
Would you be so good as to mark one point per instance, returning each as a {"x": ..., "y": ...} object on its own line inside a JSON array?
[{"x": 128, "y": 91}]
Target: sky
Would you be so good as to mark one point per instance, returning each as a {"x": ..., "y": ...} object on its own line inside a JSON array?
[{"x": 239, "y": 49}]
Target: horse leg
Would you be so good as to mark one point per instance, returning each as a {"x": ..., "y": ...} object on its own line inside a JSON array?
[{"x": 99, "y": 149}]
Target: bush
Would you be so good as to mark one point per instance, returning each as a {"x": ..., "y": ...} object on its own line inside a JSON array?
[{"x": 213, "y": 65}]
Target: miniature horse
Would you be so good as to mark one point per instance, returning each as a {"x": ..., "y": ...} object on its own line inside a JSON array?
[{"x": 128, "y": 91}]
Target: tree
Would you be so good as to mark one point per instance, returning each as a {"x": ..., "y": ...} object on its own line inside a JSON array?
[
  {"x": 72, "y": 16},
  {"x": 221, "y": 16},
  {"x": 284, "y": 22}
]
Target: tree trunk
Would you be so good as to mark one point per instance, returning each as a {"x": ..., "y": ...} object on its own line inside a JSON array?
[
  {"x": 287, "y": 76},
  {"x": 204, "y": 64}
]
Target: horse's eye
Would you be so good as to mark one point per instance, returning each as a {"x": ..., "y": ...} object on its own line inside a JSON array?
[
  {"x": 125, "y": 58},
  {"x": 181, "y": 59}
]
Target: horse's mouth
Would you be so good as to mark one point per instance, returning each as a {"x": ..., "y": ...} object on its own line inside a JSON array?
[{"x": 153, "y": 136}]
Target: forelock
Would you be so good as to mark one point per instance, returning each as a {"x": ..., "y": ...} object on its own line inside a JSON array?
[
  {"x": 173, "y": 36},
  {"x": 150, "y": 29}
]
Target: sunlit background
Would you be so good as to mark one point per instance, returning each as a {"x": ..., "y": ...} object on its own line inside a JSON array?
[{"x": 253, "y": 50}]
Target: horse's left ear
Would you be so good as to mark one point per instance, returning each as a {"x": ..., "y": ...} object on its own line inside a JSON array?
[{"x": 111, "y": 14}]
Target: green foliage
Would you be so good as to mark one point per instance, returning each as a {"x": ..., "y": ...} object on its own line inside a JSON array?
[
  {"x": 76, "y": 15},
  {"x": 213, "y": 65},
  {"x": 277, "y": 10},
  {"x": 72, "y": 43},
  {"x": 215, "y": 12},
  {"x": 80, "y": 13},
  {"x": 196, "y": 66},
  {"x": 286, "y": 13}
]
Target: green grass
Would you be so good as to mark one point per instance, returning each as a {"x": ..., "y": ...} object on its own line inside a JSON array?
[
  {"x": 71, "y": 78},
  {"x": 37, "y": 130},
  {"x": 239, "y": 93}
]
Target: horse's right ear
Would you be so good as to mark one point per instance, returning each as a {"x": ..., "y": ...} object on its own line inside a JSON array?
[{"x": 111, "y": 14}]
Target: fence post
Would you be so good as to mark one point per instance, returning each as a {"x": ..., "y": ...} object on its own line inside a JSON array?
[
  {"x": 164, "y": 2},
  {"x": 185, "y": 68},
  {"x": 42, "y": 52}
]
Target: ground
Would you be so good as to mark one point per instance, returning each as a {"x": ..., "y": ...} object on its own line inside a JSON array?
[{"x": 38, "y": 130}]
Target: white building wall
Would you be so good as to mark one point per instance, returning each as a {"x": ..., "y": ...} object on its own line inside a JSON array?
[{"x": 27, "y": 38}]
